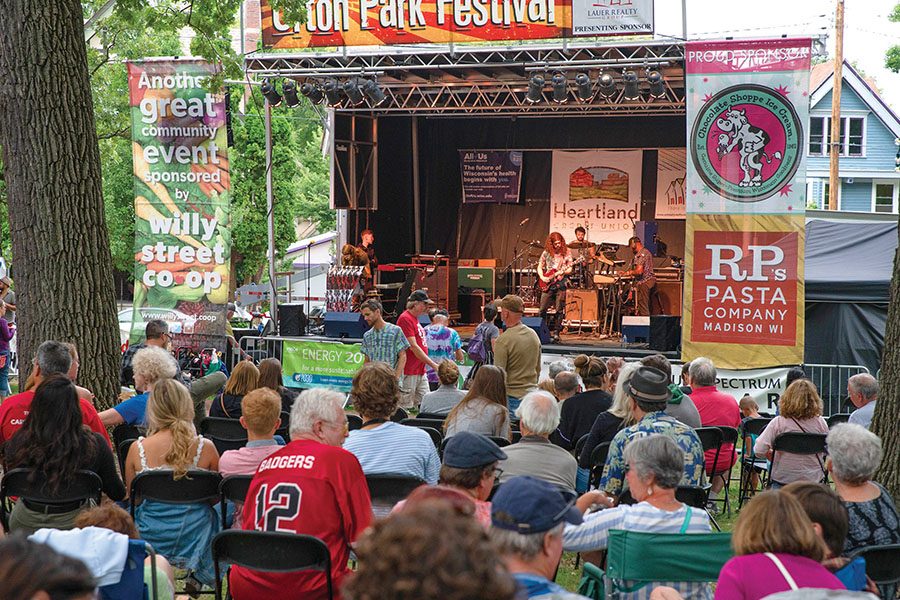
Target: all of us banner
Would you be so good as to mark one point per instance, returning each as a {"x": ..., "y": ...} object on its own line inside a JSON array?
[
  {"x": 747, "y": 106},
  {"x": 182, "y": 204}
]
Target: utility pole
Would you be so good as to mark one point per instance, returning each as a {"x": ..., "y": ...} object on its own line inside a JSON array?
[{"x": 834, "y": 148}]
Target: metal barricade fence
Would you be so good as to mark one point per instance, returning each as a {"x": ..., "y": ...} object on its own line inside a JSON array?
[
  {"x": 831, "y": 381},
  {"x": 261, "y": 347}
]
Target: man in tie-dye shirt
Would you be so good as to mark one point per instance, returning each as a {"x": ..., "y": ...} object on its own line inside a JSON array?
[{"x": 443, "y": 343}]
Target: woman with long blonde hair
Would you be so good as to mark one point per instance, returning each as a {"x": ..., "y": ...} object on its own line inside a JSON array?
[{"x": 484, "y": 408}]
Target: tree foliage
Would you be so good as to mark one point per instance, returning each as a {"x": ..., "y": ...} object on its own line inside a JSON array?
[{"x": 892, "y": 58}]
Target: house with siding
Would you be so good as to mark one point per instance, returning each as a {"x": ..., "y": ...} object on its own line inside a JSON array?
[{"x": 870, "y": 181}]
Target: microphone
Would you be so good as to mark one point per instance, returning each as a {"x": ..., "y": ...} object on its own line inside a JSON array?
[{"x": 523, "y": 221}]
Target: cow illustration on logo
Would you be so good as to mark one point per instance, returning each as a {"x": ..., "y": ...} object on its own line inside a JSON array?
[{"x": 746, "y": 142}]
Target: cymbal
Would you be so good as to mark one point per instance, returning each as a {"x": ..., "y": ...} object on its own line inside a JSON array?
[
  {"x": 536, "y": 244},
  {"x": 580, "y": 245}
]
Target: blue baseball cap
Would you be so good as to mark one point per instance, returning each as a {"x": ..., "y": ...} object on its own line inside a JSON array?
[
  {"x": 467, "y": 450},
  {"x": 528, "y": 505}
]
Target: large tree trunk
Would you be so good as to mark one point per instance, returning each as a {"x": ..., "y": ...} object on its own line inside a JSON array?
[
  {"x": 62, "y": 261},
  {"x": 885, "y": 423}
]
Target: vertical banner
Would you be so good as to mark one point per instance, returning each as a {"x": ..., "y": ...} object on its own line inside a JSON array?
[
  {"x": 597, "y": 189},
  {"x": 182, "y": 232},
  {"x": 747, "y": 104},
  {"x": 670, "y": 183},
  {"x": 490, "y": 176}
]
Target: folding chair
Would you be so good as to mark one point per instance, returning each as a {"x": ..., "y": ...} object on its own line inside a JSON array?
[
  {"x": 729, "y": 436},
  {"x": 882, "y": 567},
  {"x": 233, "y": 488},
  {"x": 635, "y": 559},
  {"x": 437, "y": 424},
  {"x": 387, "y": 490},
  {"x": 427, "y": 415},
  {"x": 271, "y": 552},
  {"x": 500, "y": 441},
  {"x": 436, "y": 436},
  {"x": 711, "y": 438},
  {"x": 598, "y": 462},
  {"x": 122, "y": 453},
  {"x": 125, "y": 431},
  {"x": 749, "y": 463},
  {"x": 796, "y": 442},
  {"x": 579, "y": 445},
  {"x": 225, "y": 434},
  {"x": 132, "y": 584},
  {"x": 354, "y": 422},
  {"x": 30, "y": 485},
  {"x": 196, "y": 487},
  {"x": 837, "y": 418},
  {"x": 399, "y": 415}
]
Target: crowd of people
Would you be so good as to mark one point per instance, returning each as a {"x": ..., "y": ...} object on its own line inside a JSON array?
[{"x": 498, "y": 501}]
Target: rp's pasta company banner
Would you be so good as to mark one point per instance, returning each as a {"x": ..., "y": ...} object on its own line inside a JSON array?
[
  {"x": 597, "y": 189},
  {"x": 182, "y": 201}
]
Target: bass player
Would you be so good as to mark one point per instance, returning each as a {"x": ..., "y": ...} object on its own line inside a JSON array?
[{"x": 553, "y": 267}]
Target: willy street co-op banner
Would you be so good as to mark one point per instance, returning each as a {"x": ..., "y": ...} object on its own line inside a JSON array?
[
  {"x": 182, "y": 201},
  {"x": 747, "y": 108}
]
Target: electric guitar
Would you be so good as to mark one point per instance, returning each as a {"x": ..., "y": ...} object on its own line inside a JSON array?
[{"x": 556, "y": 278}]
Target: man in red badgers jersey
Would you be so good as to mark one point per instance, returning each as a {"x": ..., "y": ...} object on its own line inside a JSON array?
[{"x": 311, "y": 486}]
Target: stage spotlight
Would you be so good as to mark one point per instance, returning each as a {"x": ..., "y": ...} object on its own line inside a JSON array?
[
  {"x": 657, "y": 87},
  {"x": 270, "y": 93},
  {"x": 374, "y": 92},
  {"x": 289, "y": 89},
  {"x": 333, "y": 93},
  {"x": 535, "y": 89},
  {"x": 560, "y": 88},
  {"x": 311, "y": 92},
  {"x": 632, "y": 88},
  {"x": 607, "y": 85},
  {"x": 584, "y": 87},
  {"x": 351, "y": 88}
]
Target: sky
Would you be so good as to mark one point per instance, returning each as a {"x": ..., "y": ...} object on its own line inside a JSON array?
[{"x": 867, "y": 32}]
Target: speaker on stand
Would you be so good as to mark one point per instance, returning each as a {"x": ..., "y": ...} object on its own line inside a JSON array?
[
  {"x": 291, "y": 320},
  {"x": 539, "y": 326}
]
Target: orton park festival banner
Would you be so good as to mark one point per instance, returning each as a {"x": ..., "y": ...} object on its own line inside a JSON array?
[
  {"x": 747, "y": 108},
  {"x": 599, "y": 190},
  {"x": 182, "y": 231},
  {"x": 307, "y": 364}
]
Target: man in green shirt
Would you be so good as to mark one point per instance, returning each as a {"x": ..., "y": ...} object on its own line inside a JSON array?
[{"x": 517, "y": 351}]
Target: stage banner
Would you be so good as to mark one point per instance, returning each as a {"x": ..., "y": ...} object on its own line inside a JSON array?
[
  {"x": 307, "y": 364},
  {"x": 490, "y": 177},
  {"x": 389, "y": 22},
  {"x": 747, "y": 108},
  {"x": 612, "y": 17},
  {"x": 182, "y": 195},
  {"x": 599, "y": 190},
  {"x": 743, "y": 293},
  {"x": 670, "y": 169}
]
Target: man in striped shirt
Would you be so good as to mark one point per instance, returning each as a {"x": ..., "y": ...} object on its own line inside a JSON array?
[{"x": 383, "y": 341}]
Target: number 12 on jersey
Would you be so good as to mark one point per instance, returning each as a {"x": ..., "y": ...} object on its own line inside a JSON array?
[{"x": 277, "y": 507}]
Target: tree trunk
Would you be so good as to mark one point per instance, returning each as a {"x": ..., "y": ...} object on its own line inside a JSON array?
[
  {"x": 885, "y": 423},
  {"x": 63, "y": 267}
]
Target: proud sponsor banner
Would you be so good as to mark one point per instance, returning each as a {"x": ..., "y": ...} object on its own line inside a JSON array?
[
  {"x": 743, "y": 295},
  {"x": 388, "y": 22},
  {"x": 307, "y": 364},
  {"x": 490, "y": 176},
  {"x": 599, "y": 190},
  {"x": 670, "y": 183},
  {"x": 612, "y": 17},
  {"x": 182, "y": 200}
]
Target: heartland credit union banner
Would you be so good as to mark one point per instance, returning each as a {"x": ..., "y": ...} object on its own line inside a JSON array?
[{"x": 747, "y": 109}]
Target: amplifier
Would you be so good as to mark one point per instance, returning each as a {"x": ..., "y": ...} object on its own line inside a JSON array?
[
  {"x": 345, "y": 325},
  {"x": 582, "y": 308},
  {"x": 669, "y": 295},
  {"x": 478, "y": 278}
]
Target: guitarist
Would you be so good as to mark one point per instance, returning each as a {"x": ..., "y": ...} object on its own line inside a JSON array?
[{"x": 553, "y": 267}]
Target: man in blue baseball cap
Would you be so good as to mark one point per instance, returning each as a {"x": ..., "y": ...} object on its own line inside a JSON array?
[
  {"x": 527, "y": 521},
  {"x": 470, "y": 464}
]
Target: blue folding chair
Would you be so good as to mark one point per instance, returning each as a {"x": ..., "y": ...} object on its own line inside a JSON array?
[{"x": 132, "y": 584}]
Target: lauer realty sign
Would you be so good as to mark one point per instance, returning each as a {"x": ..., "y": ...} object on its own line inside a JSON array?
[{"x": 612, "y": 17}]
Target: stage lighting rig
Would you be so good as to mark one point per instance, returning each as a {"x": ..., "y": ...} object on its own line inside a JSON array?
[
  {"x": 374, "y": 92},
  {"x": 583, "y": 87},
  {"x": 632, "y": 87},
  {"x": 289, "y": 89},
  {"x": 351, "y": 88},
  {"x": 333, "y": 93},
  {"x": 607, "y": 85},
  {"x": 311, "y": 92},
  {"x": 270, "y": 93},
  {"x": 535, "y": 90},
  {"x": 560, "y": 88},
  {"x": 657, "y": 85}
]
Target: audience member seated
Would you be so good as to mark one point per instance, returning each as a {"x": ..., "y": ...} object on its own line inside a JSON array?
[
  {"x": 854, "y": 454},
  {"x": 800, "y": 409},
  {"x": 613, "y": 365},
  {"x": 655, "y": 467},
  {"x": 534, "y": 454},
  {"x": 793, "y": 374},
  {"x": 776, "y": 549},
  {"x": 381, "y": 445},
  {"x": 686, "y": 379},
  {"x": 270, "y": 377},
  {"x": 717, "y": 409},
  {"x": 73, "y": 374},
  {"x": 608, "y": 423},
  {"x": 243, "y": 380},
  {"x": 649, "y": 392},
  {"x": 52, "y": 358},
  {"x": 444, "y": 399},
  {"x": 150, "y": 365},
  {"x": 566, "y": 384},
  {"x": 680, "y": 406},
  {"x": 461, "y": 503},
  {"x": 580, "y": 411},
  {"x": 828, "y": 514},
  {"x": 547, "y": 385},
  {"x": 428, "y": 552},
  {"x": 180, "y": 532},
  {"x": 484, "y": 408},
  {"x": 110, "y": 516},
  {"x": 32, "y": 571},
  {"x": 335, "y": 504},
  {"x": 527, "y": 521},
  {"x": 54, "y": 441},
  {"x": 750, "y": 410},
  {"x": 261, "y": 417},
  {"x": 557, "y": 367},
  {"x": 863, "y": 391}
]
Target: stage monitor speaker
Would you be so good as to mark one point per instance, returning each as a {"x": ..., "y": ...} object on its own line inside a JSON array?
[
  {"x": 291, "y": 320},
  {"x": 668, "y": 294},
  {"x": 470, "y": 308},
  {"x": 647, "y": 231},
  {"x": 665, "y": 333},
  {"x": 345, "y": 325},
  {"x": 539, "y": 326},
  {"x": 581, "y": 307}
]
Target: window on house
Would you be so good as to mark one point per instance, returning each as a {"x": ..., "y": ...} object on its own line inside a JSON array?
[
  {"x": 884, "y": 198},
  {"x": 816, "y": 135},
  {"x": 826, "y": 196},
  {"x": 854, "y": 145}
]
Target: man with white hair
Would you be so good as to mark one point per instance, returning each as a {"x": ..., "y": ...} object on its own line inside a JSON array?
[
  {"x": 534, "y": 454},
  {"x": 863, "y": 391},
  {"x": 311, "y": 486}
]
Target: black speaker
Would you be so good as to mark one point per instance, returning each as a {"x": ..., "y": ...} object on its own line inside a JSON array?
[
  {"x": 345, "y": 325},
  {"x": 665, "y": 333},
  {"x": 291, "y": 320},
  {"x": 539, "y": 326}
]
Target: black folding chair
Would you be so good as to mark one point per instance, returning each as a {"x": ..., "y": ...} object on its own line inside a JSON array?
[
  {"x": 225, "y": 434},
  {"x": 30, "y": 485},
  {"x": 196, "y": 487},
  {"x": 696, "y": 496},
  {"x": 749, "y": 463},
  {"x": 354, "y": 422},
  {"x": 579, "y": 445},
  {"x": 427, "y": 415},
  {"x": 126, "y": 431},
  {"x": 837, "y": 418},
  {"x": 796, "y": 442},
  {"x": 271, "y": 552},
  {"x": 500, "y": 441},
  {"x": 598, "y": 462},
  {"x": 711, "y": 439},
  {"x": 516, "y": 436},
  {"x": 284, "y": 430},
  {"x": 729, "y": 436},
  {"x": 436, "y": 436},
  {"x": 122, "y": 449},
  {"x": 882, "y": 567},
  {"x": 437, "y": 424},
  {"x": 399, "y": 415},
  {"x": 387, "y": 490},
  {"x": 234, "y": 489}
]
